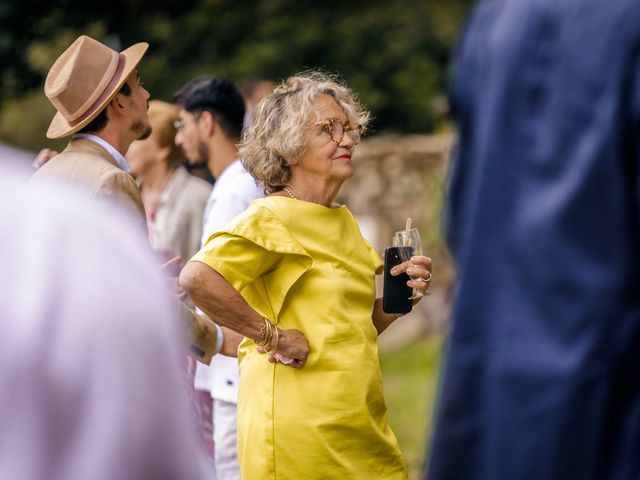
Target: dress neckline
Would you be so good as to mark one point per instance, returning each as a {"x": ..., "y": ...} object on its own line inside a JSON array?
[{"x": 335, "y": 206}]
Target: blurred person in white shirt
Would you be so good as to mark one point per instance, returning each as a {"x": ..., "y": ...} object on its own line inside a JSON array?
[{"x": 210, "y": 126}]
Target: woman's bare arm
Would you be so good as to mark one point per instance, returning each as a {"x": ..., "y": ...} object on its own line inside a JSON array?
[{"x": 211, "y": 292}]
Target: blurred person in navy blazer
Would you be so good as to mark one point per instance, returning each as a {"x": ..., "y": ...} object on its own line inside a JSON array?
[{"x": 541, "y": 377}]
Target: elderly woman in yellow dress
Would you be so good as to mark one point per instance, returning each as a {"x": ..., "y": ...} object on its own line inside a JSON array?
[{"x": 294, "y": 275}]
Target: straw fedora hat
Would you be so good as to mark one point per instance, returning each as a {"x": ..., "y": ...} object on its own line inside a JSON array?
[{"x": 84, "y": 79}]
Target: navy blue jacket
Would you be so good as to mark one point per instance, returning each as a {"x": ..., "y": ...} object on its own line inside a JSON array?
[{"x": 542, "y": 375}]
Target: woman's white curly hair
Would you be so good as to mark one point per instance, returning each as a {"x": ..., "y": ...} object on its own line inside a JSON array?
[{"x": 280, "y": 125}]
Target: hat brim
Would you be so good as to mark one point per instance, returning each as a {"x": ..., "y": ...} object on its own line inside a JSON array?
[{"x": 60, "y": 128}]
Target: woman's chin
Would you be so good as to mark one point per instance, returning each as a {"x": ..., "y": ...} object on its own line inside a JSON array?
[{"x": 344, "y": 170}]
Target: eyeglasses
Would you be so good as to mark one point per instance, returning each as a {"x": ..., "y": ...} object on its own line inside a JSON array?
[
  {"x": 336, "y": 130},
  {"x": 179, "y": 124}
]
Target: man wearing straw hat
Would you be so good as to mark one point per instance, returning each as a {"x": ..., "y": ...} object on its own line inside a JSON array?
[
  {"x": 100, "y": 100},
  {"x": 98, "y": 97}
]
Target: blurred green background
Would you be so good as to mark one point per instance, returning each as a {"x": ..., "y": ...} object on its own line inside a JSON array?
[
  {"x": 411, "y": 375},
  {"x": 395, "y": 54}
]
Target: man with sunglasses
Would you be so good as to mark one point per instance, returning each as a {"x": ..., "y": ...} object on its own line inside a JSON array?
[{"x": 208, "y": 130}]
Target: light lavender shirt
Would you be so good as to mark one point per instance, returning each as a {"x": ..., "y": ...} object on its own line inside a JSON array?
[
  {"x": 90, "y": 383},
  {"x": 117, "y": 156}
]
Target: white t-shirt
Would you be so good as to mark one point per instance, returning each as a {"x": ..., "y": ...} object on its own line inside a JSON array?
[{"x": 232, "y": 193}]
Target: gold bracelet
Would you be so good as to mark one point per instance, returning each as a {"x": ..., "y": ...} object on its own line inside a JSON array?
[
  {"x": 266, "y": 338},
  {"x": 274, "y": 348},
  {"x": 262, "y": 334},
  {"x": 262, "y": 338},
  {"x": 273, "y": 332}
]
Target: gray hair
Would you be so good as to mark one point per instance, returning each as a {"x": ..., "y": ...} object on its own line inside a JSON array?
[{"x": 279, "y": 127}]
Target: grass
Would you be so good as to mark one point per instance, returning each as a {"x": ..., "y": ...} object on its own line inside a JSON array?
[{"x": 410, "y": 381}]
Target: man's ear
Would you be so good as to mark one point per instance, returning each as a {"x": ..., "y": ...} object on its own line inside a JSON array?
[
  {"x": 208, "y": 122},
  {"x": 116, "y": 104}
]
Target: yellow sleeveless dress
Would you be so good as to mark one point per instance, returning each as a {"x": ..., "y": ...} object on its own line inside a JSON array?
[{"x": 306, "y": 266}]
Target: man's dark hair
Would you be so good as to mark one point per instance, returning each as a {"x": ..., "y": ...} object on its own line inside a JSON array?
[
  {"x": 101, "y": 120},
  {"x": 218, "y": 96}
]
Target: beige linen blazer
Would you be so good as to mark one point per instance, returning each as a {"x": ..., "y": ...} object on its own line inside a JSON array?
[{"x": 89, "y": 169}]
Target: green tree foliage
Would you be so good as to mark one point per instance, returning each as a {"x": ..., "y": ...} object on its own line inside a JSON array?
[{"x": 393, "y": 53}]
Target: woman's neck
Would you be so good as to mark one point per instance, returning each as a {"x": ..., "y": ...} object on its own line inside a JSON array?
[
  {"x": 153, "y": 182},
  {"x": 314, "y": 190}
]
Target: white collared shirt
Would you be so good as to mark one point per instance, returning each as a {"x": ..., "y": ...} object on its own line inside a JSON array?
[
  {"x": 117, "y": 156},
  {"x": 232, "y": 193}
]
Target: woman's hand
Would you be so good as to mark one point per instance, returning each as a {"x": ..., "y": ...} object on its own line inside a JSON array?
[
  {"x": 419, "y": 269},
  {"x": 293, "y": 349}
]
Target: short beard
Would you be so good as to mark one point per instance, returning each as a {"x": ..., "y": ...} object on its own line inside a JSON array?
[
  {"x": 139, "y": 126},
  {"x": 203, "y": 151},
  {"x": 146, "y": 133},
  {"x": 203, "y": 155}
]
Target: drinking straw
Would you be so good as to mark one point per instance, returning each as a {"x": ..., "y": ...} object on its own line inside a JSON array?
[{"x": 407, "y": 227}]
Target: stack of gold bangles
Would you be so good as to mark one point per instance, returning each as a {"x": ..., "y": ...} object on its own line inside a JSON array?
[{"x": 269, "y": 336}]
